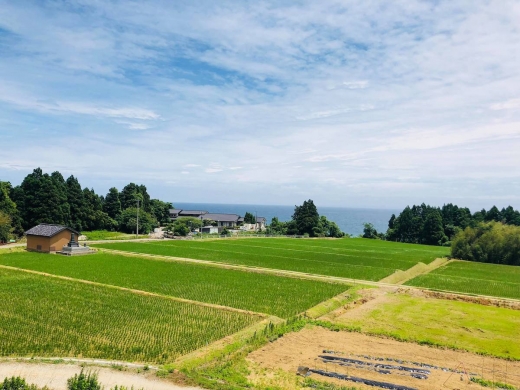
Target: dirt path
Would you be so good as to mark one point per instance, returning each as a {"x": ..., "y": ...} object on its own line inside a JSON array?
[
  {"x": 55, "y": 376},
  {"x": 304, "y": 347}
]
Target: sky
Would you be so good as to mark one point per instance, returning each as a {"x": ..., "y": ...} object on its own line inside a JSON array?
[{"x": 350, "y": 103}]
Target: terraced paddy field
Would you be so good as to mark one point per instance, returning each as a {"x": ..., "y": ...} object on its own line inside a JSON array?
[
  {"x": 473, "y": 278},
  {"x": 414, "y": 316},
  {"x": 280, "y": 296},
  {"x": 349, "y": 258},
  {"x": 44, "y": 316}
]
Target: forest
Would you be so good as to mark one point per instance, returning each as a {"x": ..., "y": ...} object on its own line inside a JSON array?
[{"x": 44, "y": 198}]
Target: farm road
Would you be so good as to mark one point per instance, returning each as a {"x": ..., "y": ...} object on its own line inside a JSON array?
[{"x": 55, "y": 376}]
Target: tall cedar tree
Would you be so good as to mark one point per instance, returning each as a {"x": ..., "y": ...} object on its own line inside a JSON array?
[
  {"x": 42, "y": 197},
  {"x": 306, "y": 218},
  {"x": 61, "y": 205},
  {"x": 112, "y": 204},
  {"x": 78, "y": 207}
]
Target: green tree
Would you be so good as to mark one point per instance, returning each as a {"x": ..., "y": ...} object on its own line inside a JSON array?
[
  {"x": 112, "y": 204},
  {"x": 249, "y": 218},
  {"x": 128, "y": 221},
  {"x": 60, "y": 200},
  {"x": 5, "y": 227},
  {"x": 492, "y": 242},
  {"x": 43, "y": 199},
  {"x": 182, "y": 226},
  {"x": 369, "y": 231},
  {"x": 306, "y": 218},
  {"x": 133, "y": 192},
  {"x": 328, "y": 228},
  {"x": 432, "y": 232},
  {"x": 276, "y": 227},
  {"x": 161, "y": 210},
  {"x": 493, "y": 215},
  {"x": 78, "y": 206},
  {"x": 9, "y": 207}
]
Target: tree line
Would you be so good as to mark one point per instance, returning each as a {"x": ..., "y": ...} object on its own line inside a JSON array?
[
  {"x": 424, "y": 224},
  {"x": 488, "y": 236},
  {"x": 44, "y": 198}
]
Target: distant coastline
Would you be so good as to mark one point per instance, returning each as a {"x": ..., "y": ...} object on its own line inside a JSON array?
[{"x": 350, "y": 220}]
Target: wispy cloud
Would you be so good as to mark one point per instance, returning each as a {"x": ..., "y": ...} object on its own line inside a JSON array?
[{"x": 348, "y": 102}]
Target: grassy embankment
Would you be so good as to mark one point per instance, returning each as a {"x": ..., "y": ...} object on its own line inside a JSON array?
[
  {"x": 349, "y": 258},
  {"x": 473, "y": 278}
]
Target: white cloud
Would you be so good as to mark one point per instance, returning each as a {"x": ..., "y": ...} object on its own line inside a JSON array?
[{"x": 507, "y": 105}]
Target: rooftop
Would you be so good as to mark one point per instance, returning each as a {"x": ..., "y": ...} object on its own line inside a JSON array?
[{"x": 48, "y": 230}]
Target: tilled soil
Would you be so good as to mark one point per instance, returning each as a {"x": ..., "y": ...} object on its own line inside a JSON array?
[{"x": 304, "y": 347}]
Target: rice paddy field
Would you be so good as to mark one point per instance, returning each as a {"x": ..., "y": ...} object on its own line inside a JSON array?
[
  {"x": 280, "y": 296},
  {"x": 473, "y": 278},
  {"x": 43, "y": 316},
  {"x": 349, "y": 258}
]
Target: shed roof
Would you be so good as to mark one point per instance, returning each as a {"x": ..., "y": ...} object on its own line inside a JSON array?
[{"x": 48, "y": 230}]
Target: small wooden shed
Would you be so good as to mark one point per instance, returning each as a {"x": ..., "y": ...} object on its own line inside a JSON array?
[{"x": 48, "y": 238}]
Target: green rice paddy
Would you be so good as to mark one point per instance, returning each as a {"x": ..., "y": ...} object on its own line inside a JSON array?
[
  {"x": 270, "y": 294},
  {"x": 473, "y": 278},
  {"x": 43, "y": 316},
  {"x": 349, "y": 258}
]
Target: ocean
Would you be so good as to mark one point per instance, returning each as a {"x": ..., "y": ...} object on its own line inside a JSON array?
[{"x": 349, "y": 220}]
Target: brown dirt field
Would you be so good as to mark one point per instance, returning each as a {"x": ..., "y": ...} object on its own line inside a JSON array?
[{"x": 304, "y": 347}]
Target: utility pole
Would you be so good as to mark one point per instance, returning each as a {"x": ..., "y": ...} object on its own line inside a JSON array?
[{"x": 137, "y": 224}]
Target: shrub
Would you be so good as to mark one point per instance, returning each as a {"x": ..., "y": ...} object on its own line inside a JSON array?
[{"x": 82, "y": 381}]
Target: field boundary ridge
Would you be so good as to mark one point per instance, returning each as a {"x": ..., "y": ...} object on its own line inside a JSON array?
[{"x": 400, "y": 277}]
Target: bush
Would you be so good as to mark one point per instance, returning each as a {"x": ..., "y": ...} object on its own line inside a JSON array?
[
  {"x": 492, "y": 242},
  {"x": 17, "y": 383},
  {"x": 82, "y": 381}
]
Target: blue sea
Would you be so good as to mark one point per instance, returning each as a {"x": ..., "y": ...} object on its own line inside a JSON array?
[{"x": 349, "y": 220}]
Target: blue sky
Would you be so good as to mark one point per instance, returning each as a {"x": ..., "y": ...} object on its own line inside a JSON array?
[{"x": 349, "y": 103}]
